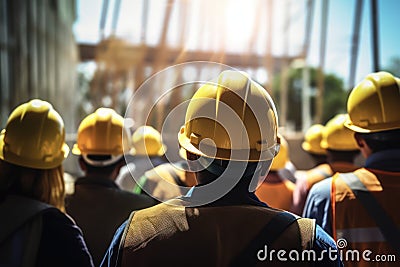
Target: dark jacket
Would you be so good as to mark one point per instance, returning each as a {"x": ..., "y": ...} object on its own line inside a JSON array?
[{"x": 99, "y": 207}]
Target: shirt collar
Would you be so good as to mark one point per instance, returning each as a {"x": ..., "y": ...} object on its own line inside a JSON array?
[
  {"x": 230, "y": 199},
  {"x": 101, "y": 181}
]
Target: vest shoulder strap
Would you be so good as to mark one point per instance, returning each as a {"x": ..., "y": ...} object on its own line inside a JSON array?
[
  {"x": 123, "y": 239},
  {"x": 307, "y": 231},
  {"x": 267, "y": 236},
  {"x": 129, "y": 236}
]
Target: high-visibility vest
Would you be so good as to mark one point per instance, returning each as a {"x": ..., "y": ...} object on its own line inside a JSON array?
[
  {"x": 326, "y": 170},
  {"x": 307, "y": 179},
  {"x": 276, "y": 195},
  {"x": 168, "y": 235},
  {"x": 318, "y": 174},
  {"x": 353, "y": 228}
]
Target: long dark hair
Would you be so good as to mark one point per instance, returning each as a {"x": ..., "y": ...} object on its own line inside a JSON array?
[{"x": 43, "y": 185}]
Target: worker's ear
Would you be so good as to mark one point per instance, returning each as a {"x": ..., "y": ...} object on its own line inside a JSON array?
[
  {"x": 82, "y": 164},
  {"x": 360, "y": 141},
  {"x": 366, "y": 151}
]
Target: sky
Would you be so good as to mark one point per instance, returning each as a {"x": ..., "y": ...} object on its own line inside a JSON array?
[
  {"x": 234, "y": 20},
  {"x": 340, "y": 33}
]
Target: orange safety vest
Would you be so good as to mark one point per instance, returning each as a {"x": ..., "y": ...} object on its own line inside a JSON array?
[
  {"x": 168, "y": 235},
  {"x": 318, "y": 174},
  {"x": 276, "y": 195},
  {"x": 309, "y": 178},
  {"x": 354, "y": 229},
  {"x": 326, "y": 170}
]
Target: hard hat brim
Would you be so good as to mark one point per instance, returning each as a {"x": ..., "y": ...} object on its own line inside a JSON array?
[
  {"x": 307, "y": 147},
  {"x": 271, "y": 152},
  {"x": 182, "y": 153},
  {"x": 14, "y": 159},
  {"x": 162, "y": 150},
  {"x": 187, "y": 146},
  {"x": 379, "y": 128},
  {"x": 324, "y": 144},
  {"x": 76, "y": 150},
  {"x": 2, "y": 134}
]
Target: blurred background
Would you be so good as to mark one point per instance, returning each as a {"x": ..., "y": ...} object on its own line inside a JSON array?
[{"x": 83, "y": 54}]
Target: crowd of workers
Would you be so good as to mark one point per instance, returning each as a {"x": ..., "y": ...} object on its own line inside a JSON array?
[{"x": 233, "y": 199}]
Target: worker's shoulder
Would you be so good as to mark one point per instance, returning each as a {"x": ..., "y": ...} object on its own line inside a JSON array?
[
  {"x": 235, "y": 213},
  {"x": 133, "y": 199},
  {"x": 171, "y": 168},
  {"x": 322, "y": 189}
]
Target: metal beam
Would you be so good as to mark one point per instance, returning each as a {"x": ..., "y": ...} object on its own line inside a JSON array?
[
  {"x": 375, "y": 35},
  {"x": 87, "y": 52},
  {"x": 355, "y": 42},
  {"x": 322, "y": 51}
]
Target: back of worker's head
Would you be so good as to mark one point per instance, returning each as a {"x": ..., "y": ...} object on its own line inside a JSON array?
[
  {"x": 231, "y": 127},
  {"x": 32, "y": 149},
  {"x": 147, "y": 141},
  {"x": 335, "y": 136},
  {"x": 312, "y": 140},
  {"x": 312, "y": 143},
  {"x": 102, "y": 141},
  {"x": 373, "y": 108},
  {"x": 339, "y": 141}
]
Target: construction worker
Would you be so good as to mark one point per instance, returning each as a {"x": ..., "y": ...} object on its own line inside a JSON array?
[
  {"x": 312, "y": 144},
  {"x": 148, "y": 152},
  {"x": 360, "y": 207},
  {"x": 35, "y": 231},
  {"x": 230, "y": 138},
  {"x": 168, "y": 180},
  {"x": 98, "y": 205},
  {"x": 341, "y": 152},
  {"x": 276, "y": 190}
]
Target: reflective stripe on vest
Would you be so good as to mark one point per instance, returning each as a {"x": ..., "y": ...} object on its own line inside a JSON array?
[{"x": 352, "y": 218}]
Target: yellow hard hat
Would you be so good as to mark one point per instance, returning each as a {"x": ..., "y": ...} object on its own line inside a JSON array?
[
  {"x": 282, "y": 157},
  {"x": 147, "y": 141},
  {"x": 373, "y": 105},
  {"x": 182, "y": 153},
  {"x": 312, "y": 140},
  {"x": 34, "y": 136},
  {"x": 337, "y": 137},
  {"x": 102, "y": 133},
  {"x": 232, "y": 118}
]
